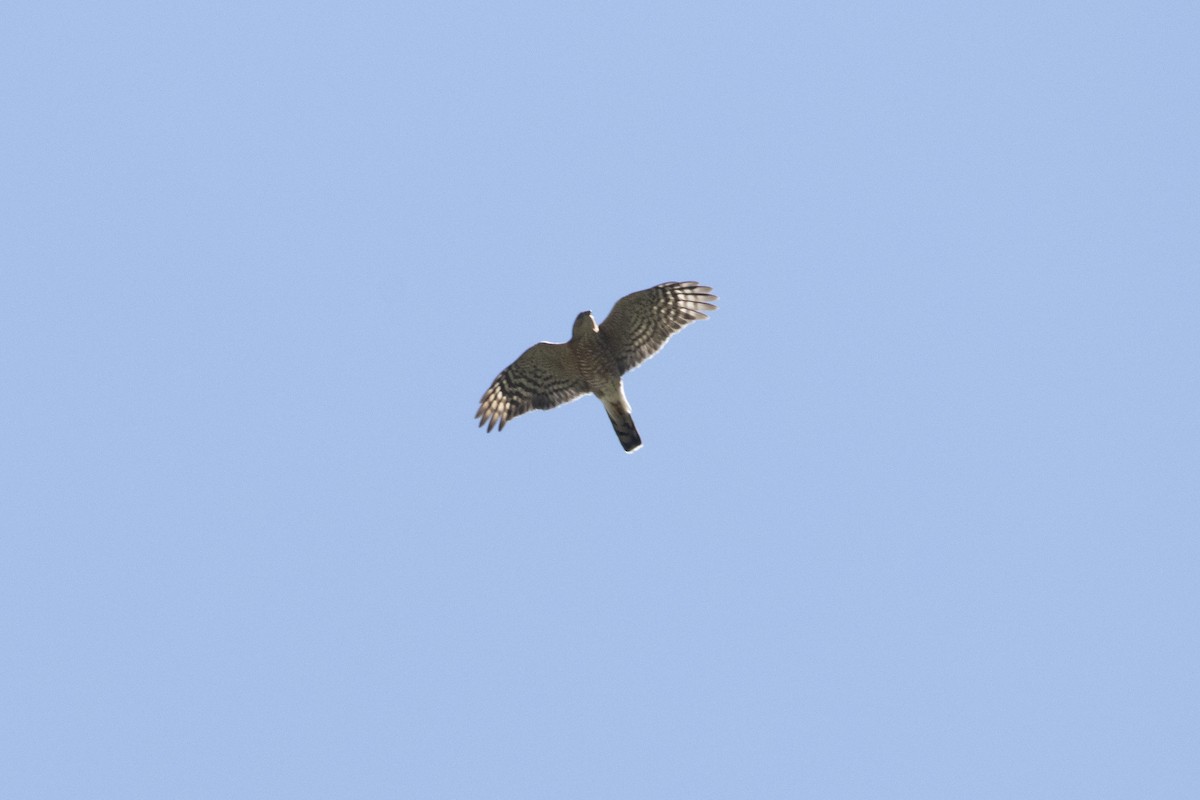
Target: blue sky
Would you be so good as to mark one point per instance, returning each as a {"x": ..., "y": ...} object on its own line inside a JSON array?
[{"x": 917, "y": 510}]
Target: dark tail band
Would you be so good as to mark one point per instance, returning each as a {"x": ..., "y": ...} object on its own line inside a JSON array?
[{"x": 626, "y": 431}]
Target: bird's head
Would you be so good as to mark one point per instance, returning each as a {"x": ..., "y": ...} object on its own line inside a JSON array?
[{"x": 585, "y": 323}]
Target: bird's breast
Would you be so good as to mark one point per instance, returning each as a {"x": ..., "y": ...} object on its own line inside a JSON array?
[{"x": 596, "y": 365}]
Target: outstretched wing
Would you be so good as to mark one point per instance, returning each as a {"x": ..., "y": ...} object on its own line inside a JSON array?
[
  {"x": 543, "y": 377},
  {"x": 640, "y": 323}
]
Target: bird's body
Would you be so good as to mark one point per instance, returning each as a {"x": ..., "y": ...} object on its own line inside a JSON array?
[
  {"x": 595, "y": 358},
  {"x": 603, "y": 378}
]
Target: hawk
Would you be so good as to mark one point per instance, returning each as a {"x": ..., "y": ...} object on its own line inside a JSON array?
[{"x": 593, "y": 361}]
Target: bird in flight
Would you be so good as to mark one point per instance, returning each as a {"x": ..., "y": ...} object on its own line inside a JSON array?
[{"x": 593, "y": 361}]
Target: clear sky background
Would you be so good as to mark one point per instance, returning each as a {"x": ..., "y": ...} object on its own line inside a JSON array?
[{"x": 917, "y": 512}]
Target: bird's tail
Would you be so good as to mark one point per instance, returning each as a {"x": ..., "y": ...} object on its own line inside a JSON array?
[{"x": 622, "y": 422}]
